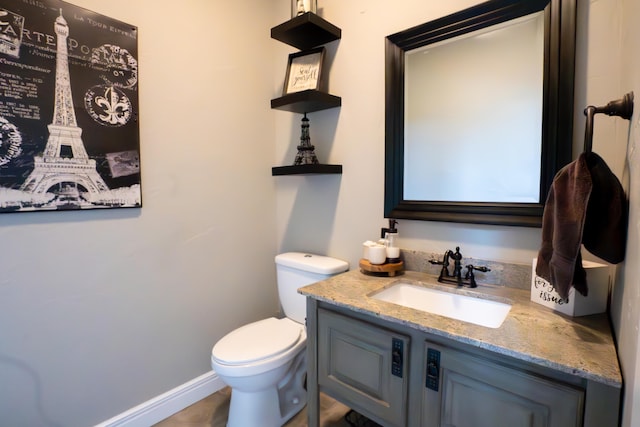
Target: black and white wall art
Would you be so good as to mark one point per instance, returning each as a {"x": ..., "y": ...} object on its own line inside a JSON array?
[{"x": 69, "y": 133}]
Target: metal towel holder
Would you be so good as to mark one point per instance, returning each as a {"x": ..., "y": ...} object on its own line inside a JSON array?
[{"x": 620, "y": 108}]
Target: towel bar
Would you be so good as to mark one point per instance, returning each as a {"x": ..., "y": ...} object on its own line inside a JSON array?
[{"x": 620, "y": 108}]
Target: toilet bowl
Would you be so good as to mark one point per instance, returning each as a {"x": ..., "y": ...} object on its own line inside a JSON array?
[
  {"x": 264, "y": 362},
  {"x": 266, "y": 377}
]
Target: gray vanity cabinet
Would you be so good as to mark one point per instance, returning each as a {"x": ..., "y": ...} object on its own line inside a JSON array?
[
  {"x": 470, "y": 391},
  {"x": 364, "y": 365},
  {"x": 399, "y": 376}
]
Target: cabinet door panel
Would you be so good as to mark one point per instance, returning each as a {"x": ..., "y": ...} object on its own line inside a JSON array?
[
  {"x": 355, "y": 363},
  {"x": 471, "y": 403},
  {"x": 475, "y": 392}
]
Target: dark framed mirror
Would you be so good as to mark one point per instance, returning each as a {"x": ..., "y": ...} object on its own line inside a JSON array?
[{"x": 424, "y": 171}]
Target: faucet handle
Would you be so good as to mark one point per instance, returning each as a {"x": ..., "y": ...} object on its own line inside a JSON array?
[
  {"x": 471, "y": 277},
  {"x": 472, "y": 267},
  {"x": 444, "y": 271}
]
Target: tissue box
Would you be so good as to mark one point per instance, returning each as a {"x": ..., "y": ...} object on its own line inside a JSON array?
[{"x": 576, "y": 304}]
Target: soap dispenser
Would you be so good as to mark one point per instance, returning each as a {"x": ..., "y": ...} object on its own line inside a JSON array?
[{"x": 391, "y": 242}]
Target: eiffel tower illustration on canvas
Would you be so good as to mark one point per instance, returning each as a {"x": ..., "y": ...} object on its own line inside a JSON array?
[{"x": 65, "y": 164}]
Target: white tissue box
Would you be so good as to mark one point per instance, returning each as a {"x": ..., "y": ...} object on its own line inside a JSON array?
[{"x": 576, "y": 304}]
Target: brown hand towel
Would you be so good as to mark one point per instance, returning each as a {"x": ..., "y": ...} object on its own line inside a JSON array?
[
  {"x": 605, "y": 226},
  {"x": 586, "y": 204},
  {"x": 562, "y": 224}
]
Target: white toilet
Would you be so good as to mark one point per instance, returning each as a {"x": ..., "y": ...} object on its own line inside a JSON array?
[{"x": 264, "y": 362}]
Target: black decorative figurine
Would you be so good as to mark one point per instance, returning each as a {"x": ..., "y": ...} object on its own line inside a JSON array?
[{"x": 306, "y": 155}]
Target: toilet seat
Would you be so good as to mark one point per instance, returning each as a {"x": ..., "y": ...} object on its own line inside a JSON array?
[{"x": 257, "y": 341}]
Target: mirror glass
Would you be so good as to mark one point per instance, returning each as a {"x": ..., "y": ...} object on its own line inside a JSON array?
[
  {"x": 447, "y": 124},
  {"x": 479, "y": 112}
]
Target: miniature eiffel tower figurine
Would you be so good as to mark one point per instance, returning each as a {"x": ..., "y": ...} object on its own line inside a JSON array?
[{"x": 306, "y": 155}]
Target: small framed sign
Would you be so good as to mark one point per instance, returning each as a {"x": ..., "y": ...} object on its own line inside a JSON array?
[{"x": 304, "y": 71}]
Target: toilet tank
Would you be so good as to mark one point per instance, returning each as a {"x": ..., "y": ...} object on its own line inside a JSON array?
[{"x": 298, "y": 269}]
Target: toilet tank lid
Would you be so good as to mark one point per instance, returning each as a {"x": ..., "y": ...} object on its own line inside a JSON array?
[{"x": 312, "y": 263}]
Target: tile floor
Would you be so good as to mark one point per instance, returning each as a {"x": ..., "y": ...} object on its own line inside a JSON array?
[{"x": 212, "y": 412}]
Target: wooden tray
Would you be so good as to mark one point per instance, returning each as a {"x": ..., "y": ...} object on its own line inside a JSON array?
[{"x": 390, "y": 269}]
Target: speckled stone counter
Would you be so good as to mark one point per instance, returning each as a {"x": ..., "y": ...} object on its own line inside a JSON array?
[{"x": 581, "y": 346}]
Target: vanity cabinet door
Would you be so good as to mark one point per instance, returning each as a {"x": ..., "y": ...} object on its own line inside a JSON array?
[
  {"x": 364, "y": 366},
  {"x": 475, "y": 392}
]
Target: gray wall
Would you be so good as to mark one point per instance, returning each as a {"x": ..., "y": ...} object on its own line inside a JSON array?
[
  {"x": 103, "y": 310},
  {"x": 626, "y": 298}
]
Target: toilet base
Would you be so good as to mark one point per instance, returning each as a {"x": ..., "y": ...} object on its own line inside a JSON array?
[
  {"x": 255, "y": 409},
  {"x": 273, "y": 406},
  {"x": 260, "y": 409}
]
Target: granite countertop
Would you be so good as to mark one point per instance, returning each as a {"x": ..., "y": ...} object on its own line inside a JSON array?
[{"x": 581, "y": 346}]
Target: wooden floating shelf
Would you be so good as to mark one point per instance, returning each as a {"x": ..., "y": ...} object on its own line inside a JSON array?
[
  {"x": 306, "y": 101},
  {"x": 306, "y": 31},
  {"x": 306, "y": 170}
]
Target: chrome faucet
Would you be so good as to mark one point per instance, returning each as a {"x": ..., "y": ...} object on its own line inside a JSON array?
[{"x": 456, "y": 276}]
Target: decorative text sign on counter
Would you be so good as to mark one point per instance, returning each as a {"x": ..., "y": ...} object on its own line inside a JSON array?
[{"x": 575, "y": 305}]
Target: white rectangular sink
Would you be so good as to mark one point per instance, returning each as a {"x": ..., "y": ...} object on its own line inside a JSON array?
[{"x": 467, "y": 308}]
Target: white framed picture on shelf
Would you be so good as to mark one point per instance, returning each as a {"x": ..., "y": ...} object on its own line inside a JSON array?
[{"x": 304, "y": 71}]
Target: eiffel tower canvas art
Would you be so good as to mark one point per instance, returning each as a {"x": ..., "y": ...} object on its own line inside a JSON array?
[{"x": 91, "y": 156}]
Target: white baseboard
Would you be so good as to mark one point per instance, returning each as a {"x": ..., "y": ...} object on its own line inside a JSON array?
[{"x": 167, "y": 404}]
